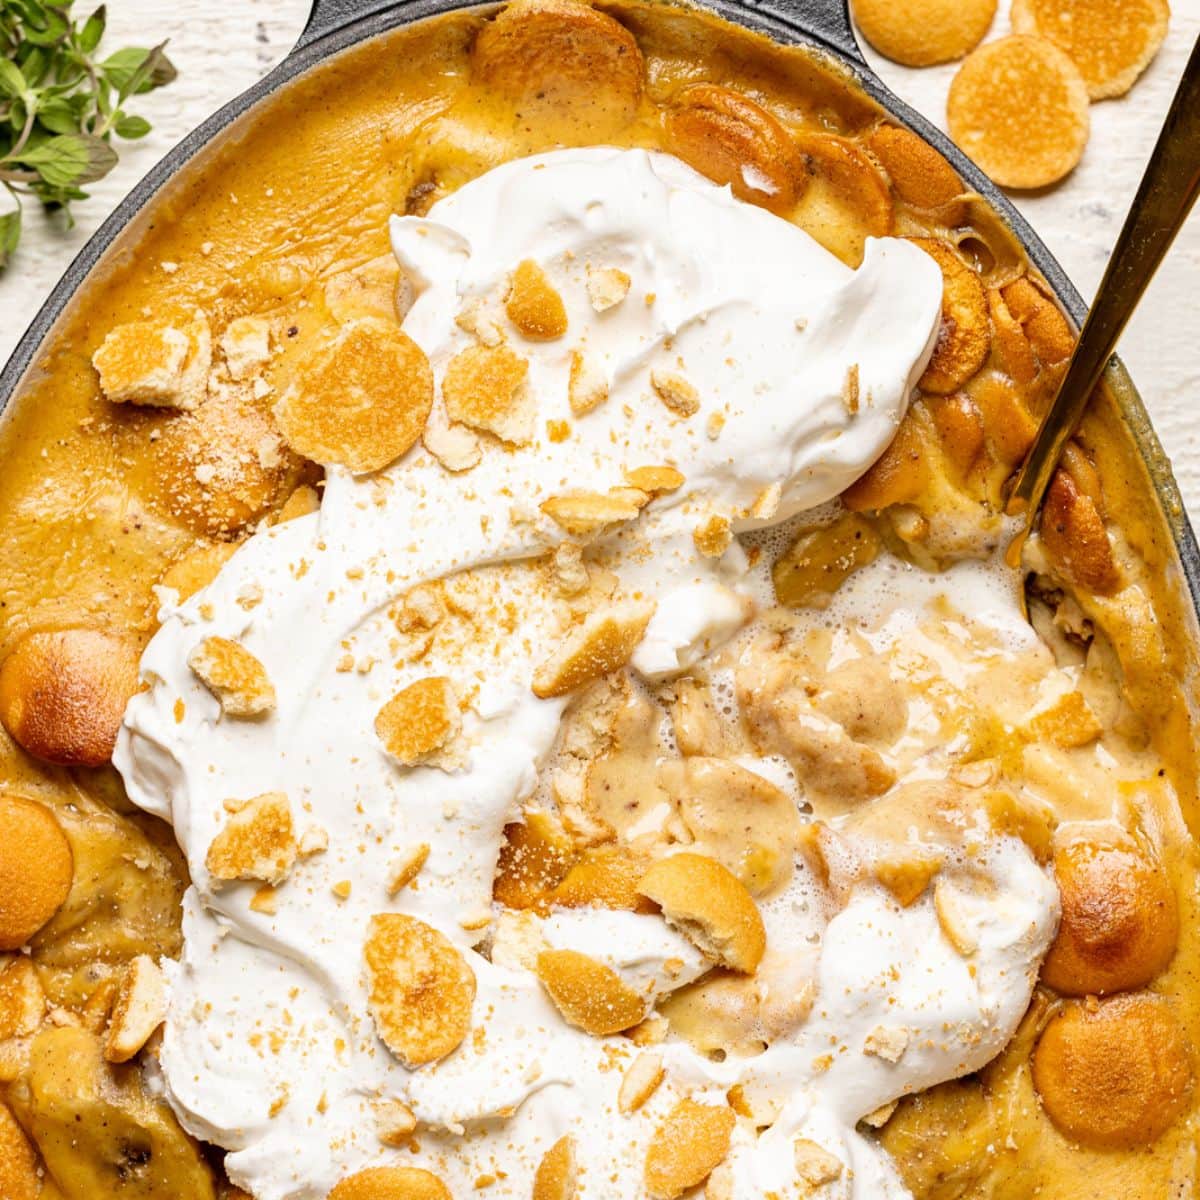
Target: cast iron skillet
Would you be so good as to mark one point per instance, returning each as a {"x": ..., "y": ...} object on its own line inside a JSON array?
[{"x": 824, "y": 24}]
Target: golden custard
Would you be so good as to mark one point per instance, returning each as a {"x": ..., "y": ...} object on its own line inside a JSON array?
[{"x": 143, "y": 456}]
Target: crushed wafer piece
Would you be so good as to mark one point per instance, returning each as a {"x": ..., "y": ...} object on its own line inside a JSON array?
[
  {"x": 980, "y": 772},
  {"x": 710, "y": 906},
  {"x": 533, "y": 305},
  {"x": 517, "y": 940},
  {"x": 582, "y": 513},
  {"x": 739, "y": 1101},
  {"x": 480, "y": 918},
  {"x": 920, "y": 33},
  {"x": 570, "y": 575},
  {"x": 604, "y": 876},
  {"x": 675, "y": 392},
  {"x": 422, "y": 609},
  {"x": 96, "y": 1011},
  {"x": 394, "y": 1122},
  {"x": 246, "y": 344},
  {"x": 1068, "y": 723},
  {"x": 814, "y": 1164},
  {"x": 407, "y": 868},
  {"x": 22, "y": 998},
  {"x": 250, "y": 596},
  {"x": 886, "y": 1042},
  {"x": 713, "y": 537},
  {"x": 256, "y": 842},
  {"x": 587, "y": 385},
  {"x": 907, "y": 874},
  {"x": 952, "y": 918},
  {"x": 1111, "y": 41},
  {"x": 140, "y": 1009},
  {"x": 583, "y": 826},
  {"x": 265, "y": 901},
  {"x": 877, "y": 1118},
  {"x": 557, "y": 1175},
  {"x": 766, "y": 503},
  {"x": 603, "y": 643},
  {"x": 534, "y": 857},
  {"x": 640, "y": 1081},
  {"x": 360, "y": 399},
  {"x": 651, "y": 1032},
  {"x": 719, "y": 1185},
  {"x": 160, "y": 366},
  {"x": 850, "y": 390},
  {"x": 455, "y": 446},
  {"x": 420, "y": 989},
  {"x": 606, "y": 287},
  {"x": 482, "y": 320},
  {"x": 376, "y": 288},
  {"x": 314, "y": 840},
  {"x": 714, "y": 425},
  {"x": 237, "y": 679},
  {"x": 420, "y": 723},
  {"x": 1019, "y": 108},
  {"x": 303, "y": 501},
  {"x": 486, "y": 388},
  {"x": 589, "y": 995},
  {"x": 686, "y": 1148},
  {"x": 655, "y": 480},
  {"x": 269, "y": 452}
]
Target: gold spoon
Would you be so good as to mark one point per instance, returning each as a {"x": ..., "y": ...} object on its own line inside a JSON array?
[{"x": 1166, "y": 194}]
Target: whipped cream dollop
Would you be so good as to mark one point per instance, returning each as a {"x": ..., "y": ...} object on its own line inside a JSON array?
[{"x": 802, "y": 369}]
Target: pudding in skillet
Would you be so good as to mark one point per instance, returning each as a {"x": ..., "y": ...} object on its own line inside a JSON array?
[{"x": 511, "y": 683}]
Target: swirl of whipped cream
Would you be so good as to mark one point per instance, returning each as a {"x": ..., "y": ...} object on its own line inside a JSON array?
[{"x": 269, "y": 1049}]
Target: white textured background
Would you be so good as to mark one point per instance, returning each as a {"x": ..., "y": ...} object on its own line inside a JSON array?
[{"x": 221, "y": 46}]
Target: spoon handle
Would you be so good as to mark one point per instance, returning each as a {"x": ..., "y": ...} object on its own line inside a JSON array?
[{"x": 1164, "y": 198}]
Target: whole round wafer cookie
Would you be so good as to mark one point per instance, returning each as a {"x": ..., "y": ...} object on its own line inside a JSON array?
[
  {"x": 919, "y": 33},
  {"x": 1110, "y": 41},
  {"x": 1019, "y": 108}
]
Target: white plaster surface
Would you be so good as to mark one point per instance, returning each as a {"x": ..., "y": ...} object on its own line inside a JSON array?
[{"x": 222, "y": 46}]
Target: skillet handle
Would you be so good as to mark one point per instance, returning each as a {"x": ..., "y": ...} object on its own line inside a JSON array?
[
  {"x": 826, "y": 20},
  {"x": 327, "y": 16}
]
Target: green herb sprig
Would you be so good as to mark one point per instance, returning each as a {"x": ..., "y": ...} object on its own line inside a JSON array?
[{"x": 60, "y": 105}]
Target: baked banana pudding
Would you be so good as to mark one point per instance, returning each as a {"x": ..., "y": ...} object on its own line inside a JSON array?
[{"x": 512, "y": 684}]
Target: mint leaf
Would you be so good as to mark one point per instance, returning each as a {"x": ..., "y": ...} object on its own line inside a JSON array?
[
  {"x": 132, "y": 71},
  {"x": 93, "y": 30},
  {"x": 58, "y": 115},
  {"x": 12, "y": 82},
  {"x": 131, "y": 127},
  {"x": 70, "y": 159},
  {"x": 10, "y": 235},
  {"x": 34, "y": 66},
  {"x": 60, "y": 106}
]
